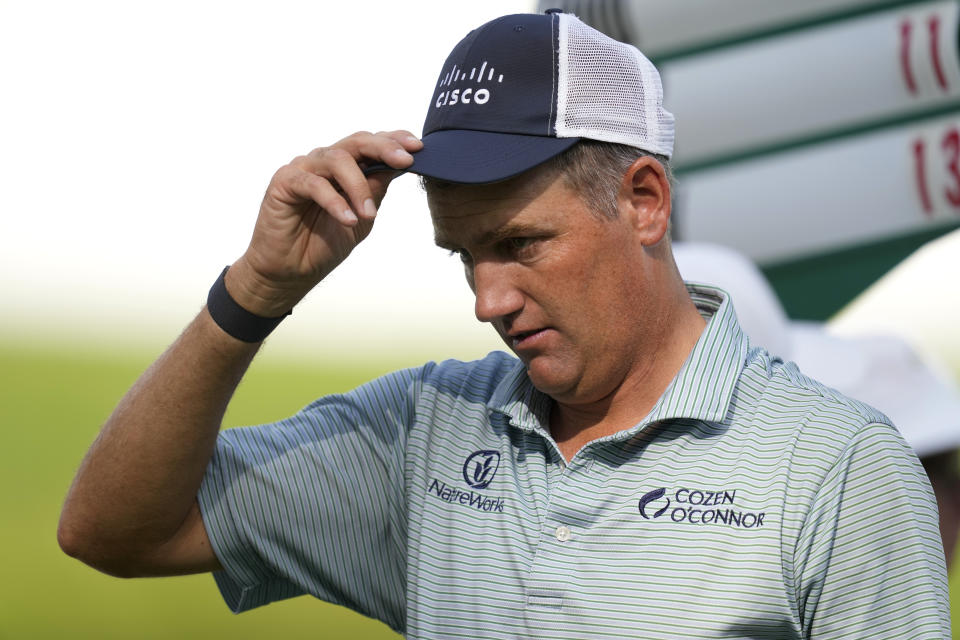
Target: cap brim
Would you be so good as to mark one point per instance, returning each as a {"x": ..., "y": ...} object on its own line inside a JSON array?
[{"x": 478, "y": 157}]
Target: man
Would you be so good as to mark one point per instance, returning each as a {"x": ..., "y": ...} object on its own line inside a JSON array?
[{"x": 640, "y": 471}]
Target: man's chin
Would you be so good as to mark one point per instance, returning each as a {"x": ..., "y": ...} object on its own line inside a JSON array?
[{"x": 548, "y": 379}]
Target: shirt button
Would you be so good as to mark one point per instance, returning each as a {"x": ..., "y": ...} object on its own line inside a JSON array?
[{"x": 563, "y": 533}]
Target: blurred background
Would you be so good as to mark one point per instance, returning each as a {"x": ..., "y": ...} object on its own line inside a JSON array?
[{"x": 818, "y": 147}]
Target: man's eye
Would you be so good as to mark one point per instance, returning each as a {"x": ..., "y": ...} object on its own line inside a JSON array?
[
  {"x": 521, "y": 245},
  {"x": 462, "y": 254}
]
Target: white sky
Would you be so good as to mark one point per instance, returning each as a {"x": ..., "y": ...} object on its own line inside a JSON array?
[{"x": 136, "y": 140}]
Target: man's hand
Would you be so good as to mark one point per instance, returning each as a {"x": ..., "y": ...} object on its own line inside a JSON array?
[{"x": 315, "y": 211}]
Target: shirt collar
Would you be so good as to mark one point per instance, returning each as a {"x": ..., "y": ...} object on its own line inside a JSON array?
[{"x": 701, "y": 390}]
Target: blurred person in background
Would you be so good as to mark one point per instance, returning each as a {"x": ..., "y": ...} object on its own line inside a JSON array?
[
  {"x": 637, "y": 469},
  {"x": 884, "y": 371}
]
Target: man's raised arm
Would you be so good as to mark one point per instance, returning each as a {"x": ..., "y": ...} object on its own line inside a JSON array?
[{"x": 132, "y": 508}]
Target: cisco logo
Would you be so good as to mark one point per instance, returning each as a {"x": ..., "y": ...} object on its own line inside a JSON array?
[
  {"x": 480, "y": 467},
  {"x": 449, "y": 94}
]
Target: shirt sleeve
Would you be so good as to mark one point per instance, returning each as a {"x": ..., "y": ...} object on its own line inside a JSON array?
[
  {"x": 869, "y": 560},
  {"x": 315, "y": 503}
]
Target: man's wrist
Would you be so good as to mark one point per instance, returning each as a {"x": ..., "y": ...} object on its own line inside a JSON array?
[
  {"x": 259, "y": 295},
  {"x": 236, "y": 319}
]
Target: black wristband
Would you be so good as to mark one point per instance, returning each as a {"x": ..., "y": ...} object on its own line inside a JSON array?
[{"x": 234, "y": 319}]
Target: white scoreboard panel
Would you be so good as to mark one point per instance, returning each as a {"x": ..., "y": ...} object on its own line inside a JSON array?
[
  {"x": 667, "y": 28},
  {"x": 830, "y": 195},
  {"x": 863, "y": 72},
  {"x": 671, "y": 27}
]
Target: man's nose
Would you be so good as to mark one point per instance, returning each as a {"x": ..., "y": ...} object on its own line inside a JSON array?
[{"x": 497, "y": 296}]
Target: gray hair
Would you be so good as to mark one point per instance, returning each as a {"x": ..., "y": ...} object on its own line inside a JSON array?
[{"x": 595, "y": 171}]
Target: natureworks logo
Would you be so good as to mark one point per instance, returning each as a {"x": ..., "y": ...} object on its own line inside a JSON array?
[
  {"x": 474, "y": 92},
  {"x": 688, "y": 507},
  {"x": 480, "y": 467},
  {"x": 478, "y": 472}
]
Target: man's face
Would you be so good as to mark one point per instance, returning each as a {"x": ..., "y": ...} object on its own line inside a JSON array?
[{"x": 558, "y": 283}]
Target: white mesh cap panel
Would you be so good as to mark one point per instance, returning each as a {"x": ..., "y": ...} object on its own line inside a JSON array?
[{"x": 609, "y": 91}]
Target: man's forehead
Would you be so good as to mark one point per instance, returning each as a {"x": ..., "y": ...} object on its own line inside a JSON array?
[
  {"x": 453, "y": 225},
  {"x": 482, "y": 208},
  {"x": 482, "y": 221}
]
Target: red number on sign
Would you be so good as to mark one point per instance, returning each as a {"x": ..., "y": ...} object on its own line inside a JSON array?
[
  {"x": 905, "y": 28},
  {"x": 951, "y": 144},
  {"x": 934, "y": 25},
  {"x": 920, "y": 173},
  {"x": 906, "y": 33}
]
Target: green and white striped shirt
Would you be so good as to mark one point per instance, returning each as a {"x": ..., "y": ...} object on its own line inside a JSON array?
[{"x": 752, "y": 502}]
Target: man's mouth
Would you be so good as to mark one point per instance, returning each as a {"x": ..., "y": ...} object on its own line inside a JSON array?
[{"x": 521, "y": 339}]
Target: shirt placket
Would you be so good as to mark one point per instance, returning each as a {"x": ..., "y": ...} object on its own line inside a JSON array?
[{"x": 554, "y": 565}]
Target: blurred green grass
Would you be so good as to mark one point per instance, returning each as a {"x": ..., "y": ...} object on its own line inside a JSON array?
[{"x": 52, "y": 402}]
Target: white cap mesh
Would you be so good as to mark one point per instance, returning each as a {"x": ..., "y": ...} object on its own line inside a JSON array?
[{"x": 609, "y": 91}]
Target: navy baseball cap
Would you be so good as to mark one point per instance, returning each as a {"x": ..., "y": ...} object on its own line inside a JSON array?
[{"x": 524, "y": 88}]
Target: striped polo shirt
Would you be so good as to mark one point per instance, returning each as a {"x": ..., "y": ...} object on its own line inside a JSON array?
[{"x": 752, "y": 502}]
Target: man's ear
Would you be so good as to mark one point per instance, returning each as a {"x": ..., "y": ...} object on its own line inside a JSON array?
[{"x": 644, "y": 199}]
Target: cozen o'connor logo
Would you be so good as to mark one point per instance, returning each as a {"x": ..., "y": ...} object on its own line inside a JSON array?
[
  {"x": 480, "y": 467},
  {"x": 653, "y": 496},
  {"x": 697, "y": 506}
]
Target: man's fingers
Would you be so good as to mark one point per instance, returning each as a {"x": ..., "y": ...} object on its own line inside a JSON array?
[
  {"x": 337, "y": 165},
  {"x": 341, "y": 163},
  {"x": 307, "y": 185},
  {"x": 391, "y": 148},
  {"x": 348, "y": 176},
  {"x": 333, "y": 178},
  {"x": 406, "y": 139}
]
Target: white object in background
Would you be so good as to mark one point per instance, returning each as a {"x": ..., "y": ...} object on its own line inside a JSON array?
[
  {"x": 918, "y": 300},
  {"x": 882, "y": 371},
  {"x": 760, "y": 313}
]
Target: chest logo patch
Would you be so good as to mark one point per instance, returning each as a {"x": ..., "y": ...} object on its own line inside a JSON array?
[
  {"x": 698, "y": 507},
  {"x": 480, "y": 467},
  {"x": 652, "y": 496},
  {"x": 478, "y": 471}
]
